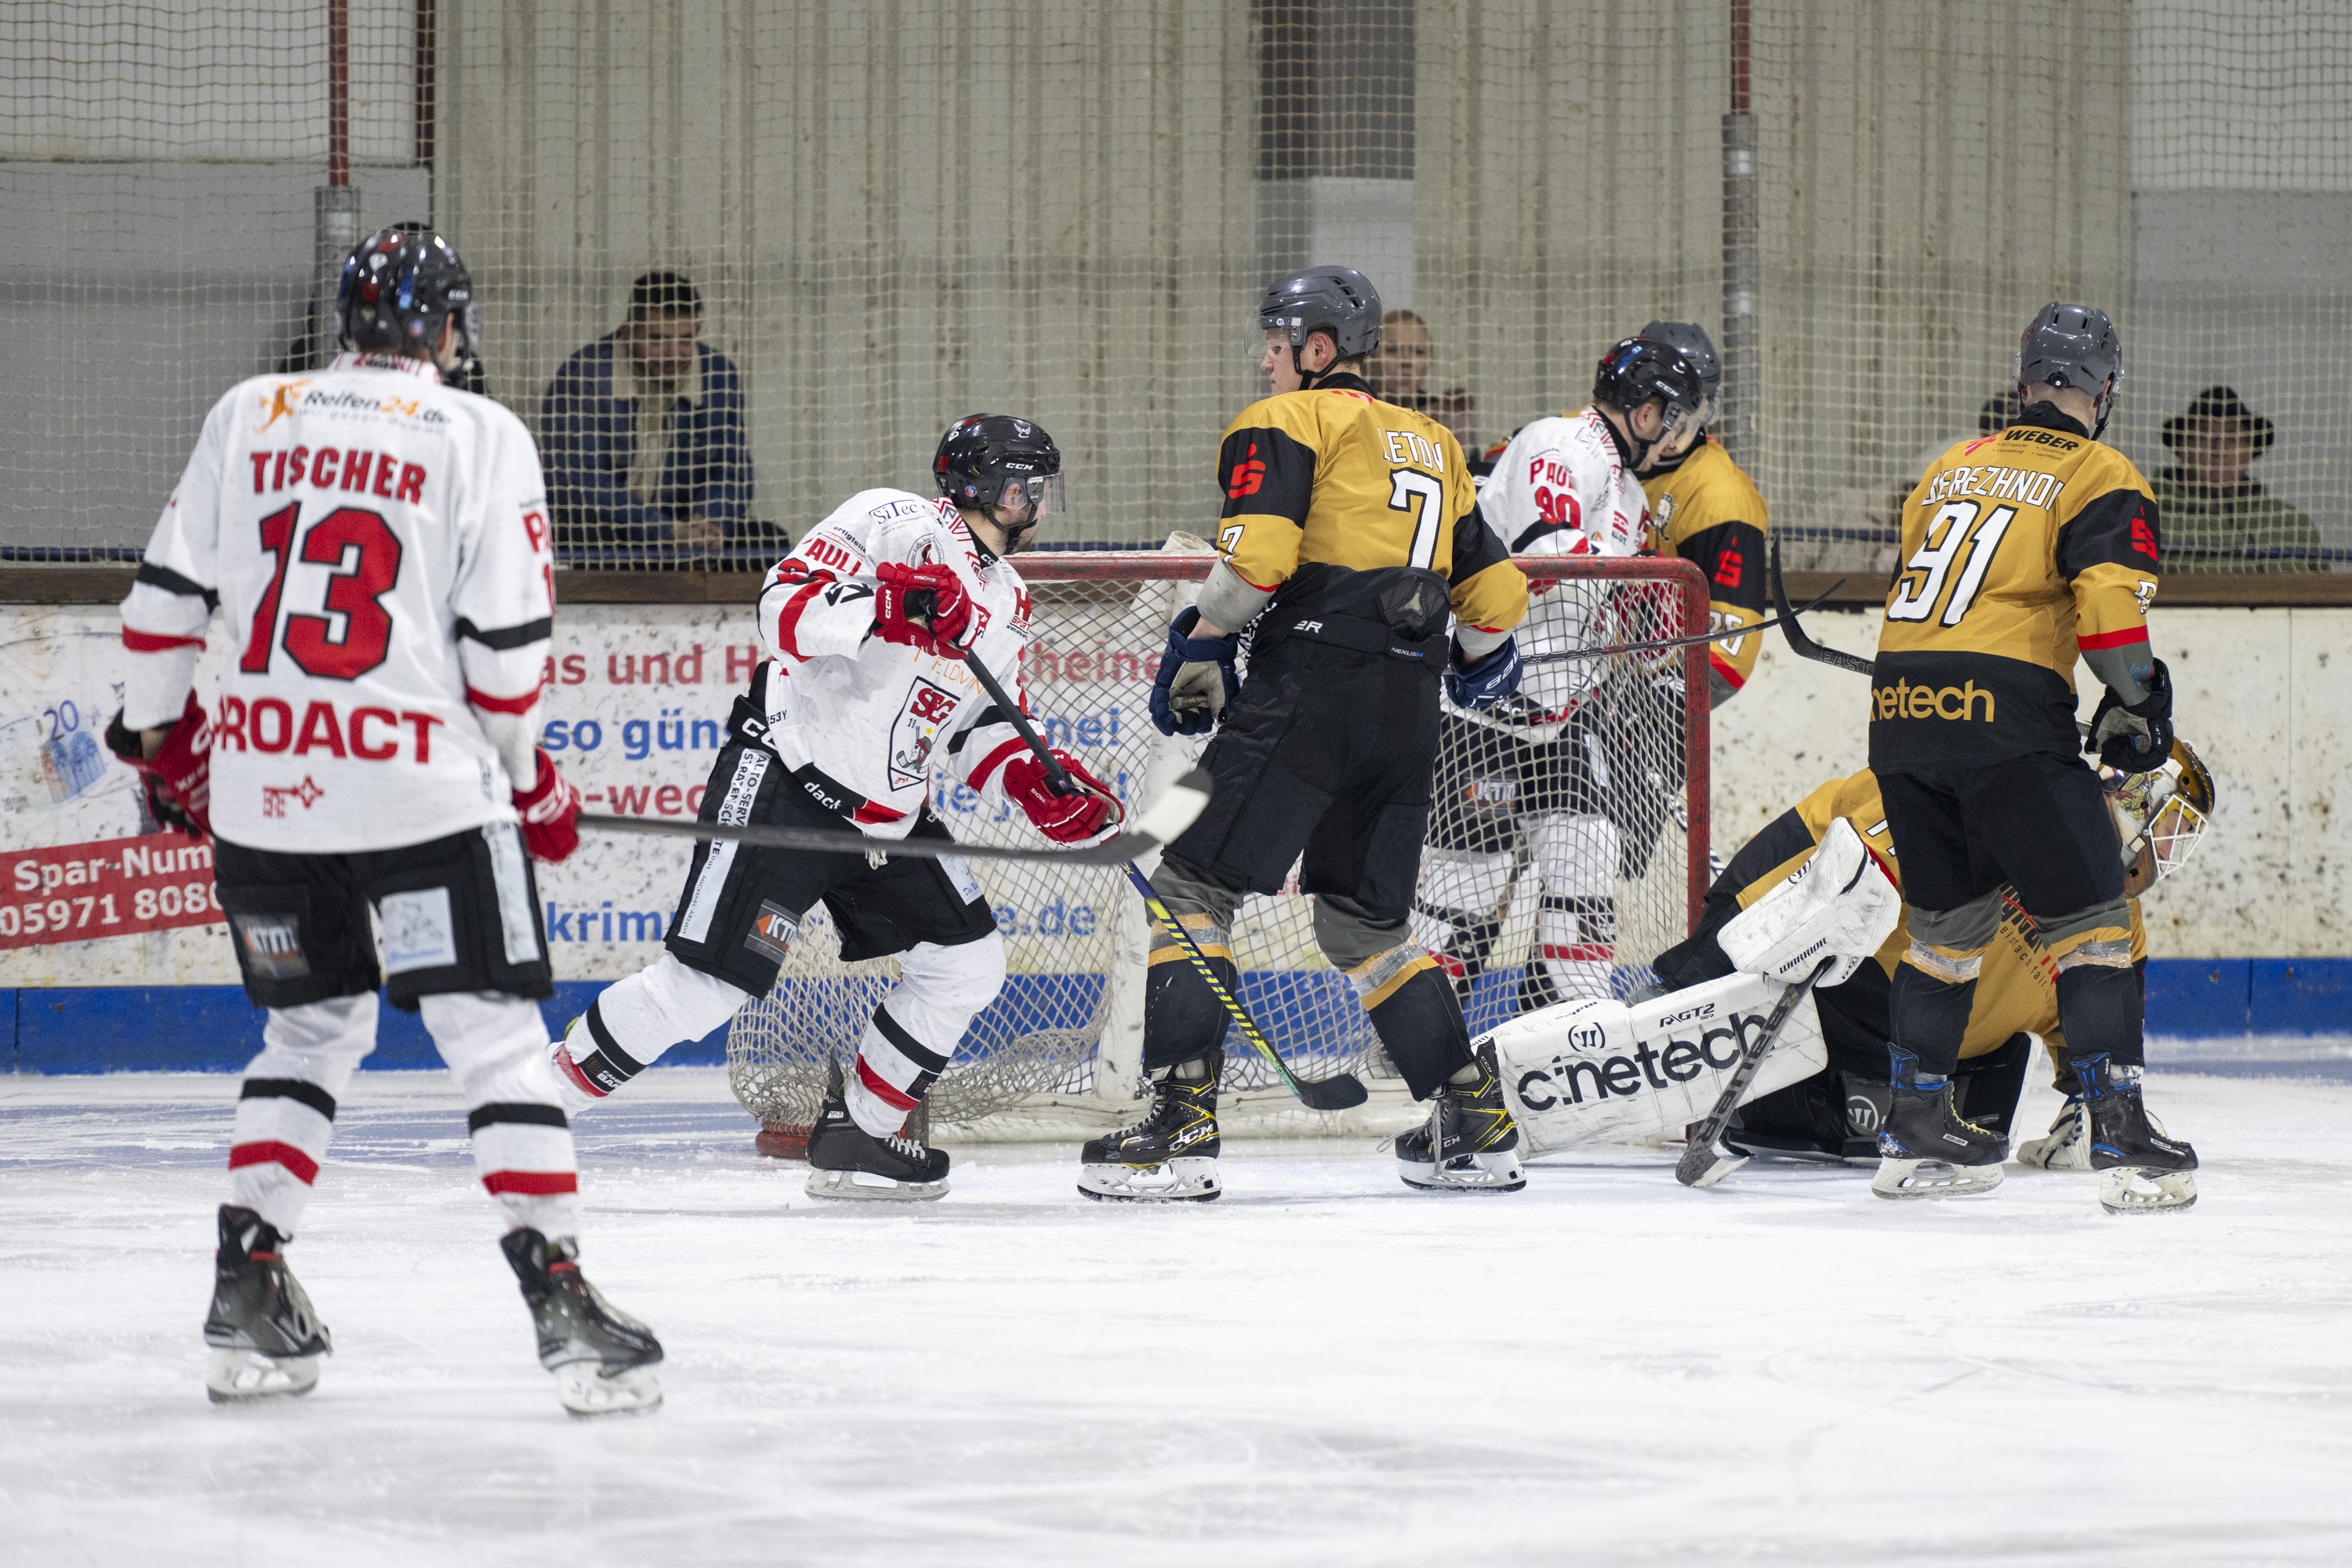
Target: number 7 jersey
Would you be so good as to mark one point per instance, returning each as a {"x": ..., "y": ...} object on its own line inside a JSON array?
[
  {"x": 376, "y": 544},
  {"x": 2021, "y": 550}
]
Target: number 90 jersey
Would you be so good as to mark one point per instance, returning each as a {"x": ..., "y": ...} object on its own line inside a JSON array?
[
  {"x": 1330, "y": 494},
  {"x": 2019, "y": 551},
  {"x": 377, "y": 545}
]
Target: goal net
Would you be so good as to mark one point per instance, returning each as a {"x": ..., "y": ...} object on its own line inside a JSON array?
[{"x": 1061, "y": 1047}]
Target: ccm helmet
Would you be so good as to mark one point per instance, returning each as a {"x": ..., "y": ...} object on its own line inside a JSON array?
[
  {"x": 1338, "y": 300},
  {"x": 398, "y": 287},
  {"x": 2075, "y": 347},
  {"x": 989, "y": 460},
  {"x": 1695, "y": 346},
  {"x": 1649, "y": 370}
]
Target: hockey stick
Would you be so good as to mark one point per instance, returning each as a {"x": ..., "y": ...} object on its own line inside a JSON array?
[
  {"x": 1170, "y": 815},
  {"x": 1800, "y": 643},
  {"x": 1788, "y": 619},
  {"x": 1334, "y": 1093},
  {"x": 1705, "y": 1159}
]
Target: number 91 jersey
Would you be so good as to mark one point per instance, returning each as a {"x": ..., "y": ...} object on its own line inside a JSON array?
[
  {"x": 2019, "y": 551},
  {"x": 377, "y": 545}
]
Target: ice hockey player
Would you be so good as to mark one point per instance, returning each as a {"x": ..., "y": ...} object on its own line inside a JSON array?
[
  {"x": 1705, "y": 509},
  {"x": 864, "y": 691},
  {"x": 377, "y": 543},
  {"x": 1557, "y": 774},
  {"x": 2159, "y": 817},
  {"x": 1350, "y": 527},
  {"x": 2018, "y": 550}
]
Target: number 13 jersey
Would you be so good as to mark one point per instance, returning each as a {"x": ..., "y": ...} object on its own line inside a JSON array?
[
  {"x": 377, "y": 546},
  {"x": 2020, "y": 550}
]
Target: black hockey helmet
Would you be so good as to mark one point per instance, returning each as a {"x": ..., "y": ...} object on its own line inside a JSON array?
[
  {"x": 1649, "y": 370},
  {"x": 985, "y": 460},
  {"x": 2075, "y": 347},
  {"x": 398, "y": 287},
  {"x": 1338, "y": 300},
  {"x": 1691, "y": 339}
]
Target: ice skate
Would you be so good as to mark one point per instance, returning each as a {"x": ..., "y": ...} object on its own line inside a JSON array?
[
  {"x": 1142, "y": 1163},
  {"x": 2141, "y": 1171},
  {"x": 1926, "y": 1151},
  {"x": 603, "y": 1359},
  {"x": 1470, "y": 1143},
  {"x": 2065, "y": 1147},
  {"x": 266, "y": 1339},
  {"x": 847, "y": 1162}
]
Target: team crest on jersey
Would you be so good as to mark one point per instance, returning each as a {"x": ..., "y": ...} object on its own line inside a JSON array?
[
  {"x": 925, "y": 714},
  {"x": 1665, "y": 514}
]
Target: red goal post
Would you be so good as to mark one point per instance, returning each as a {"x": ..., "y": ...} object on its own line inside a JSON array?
[{"x": 1060, "y": 1048}]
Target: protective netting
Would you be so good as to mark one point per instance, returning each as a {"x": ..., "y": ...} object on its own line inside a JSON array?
[
  {"x": 1068, "y": 1022},
  {"x": 895, "y": 213}
]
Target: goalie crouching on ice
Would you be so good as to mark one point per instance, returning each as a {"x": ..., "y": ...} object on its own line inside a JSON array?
[{"x": 1586, "y": 1072}]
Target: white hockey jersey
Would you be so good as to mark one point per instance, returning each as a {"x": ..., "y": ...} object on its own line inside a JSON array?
[
  {"x": 378, "y": 545},
  {"x": 1562, "y": 489},
  {"x": 874, "y": 716}
]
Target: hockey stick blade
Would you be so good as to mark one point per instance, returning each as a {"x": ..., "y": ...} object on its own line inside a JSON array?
[
  {"x": 1706, "y": 1159},
  {"x": 1799, "y": 641},
  {"x": 1661, "y": 643},
  {"x": 1167, "y": 818}
]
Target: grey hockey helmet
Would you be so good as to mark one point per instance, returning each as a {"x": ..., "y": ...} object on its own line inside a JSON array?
[
  {"x": 1339, "y": 300},
  {"x": 398, "y": 286},
  {"x": 2075, "y": 347},
  {"x": 1695, "y": 346}
]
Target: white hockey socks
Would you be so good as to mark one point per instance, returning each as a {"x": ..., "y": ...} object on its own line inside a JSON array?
[
  {"x": 633, "y": 1021},
  {"x": 1576, "y": 924},
  {"x": 286, "y": 1110},
  {"x": 497, "y": 1047},
  {"x": 915, "y": 1031}
]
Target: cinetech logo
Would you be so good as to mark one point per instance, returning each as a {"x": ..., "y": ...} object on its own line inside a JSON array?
[{"x": 279, "y": 403}]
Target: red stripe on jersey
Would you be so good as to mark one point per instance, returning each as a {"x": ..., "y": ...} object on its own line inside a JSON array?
[
  {"x": 532, "y": 1184},
  {"x": 1581, "y": 952},
  {"x": 882, "y": 1089},
  {"x": 995, "y": 759},
  {"x": 155, "y": 642},
  {"x": 2124, "y": 639},
  {"x": 489, "y": 704},
  {"x": 870, "y": 811},
  {"x": 303, "y": 1168},
  {"x": 1731, "y": 676},
  {"x": 788, "y": 619}
]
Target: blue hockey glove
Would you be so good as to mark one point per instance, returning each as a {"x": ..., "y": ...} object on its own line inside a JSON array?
[
  {"x": 1486, "y": 682},
  {"x": 1196, "y": 679}
]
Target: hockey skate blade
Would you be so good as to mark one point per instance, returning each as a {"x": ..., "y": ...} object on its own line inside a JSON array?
[
  {"x": 587, "y": 1389},
  {"x": 1933, "y": 1179},
  {"x": 1499, "y": 1171},
  {"x": 1701, "y": 1167},
  {"x": 2142, "y": 1189},
  {"x": 243, "y": 1376},
  {"x": 872, "y": 1189},
  {"x": 1184, "y": 1180}
]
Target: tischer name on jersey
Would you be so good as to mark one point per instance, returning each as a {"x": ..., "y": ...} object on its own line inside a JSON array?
[{"x": 2021, "y": 550}]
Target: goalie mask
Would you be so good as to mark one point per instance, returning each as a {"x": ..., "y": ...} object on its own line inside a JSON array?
[{"x": 2160, "y": 817}]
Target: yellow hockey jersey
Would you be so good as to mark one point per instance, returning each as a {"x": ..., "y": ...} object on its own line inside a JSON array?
[
  {"x": 1705, "y": 508},
  {"x": 1331, "y": 495},
  {"x": 2018, "y": 550}
]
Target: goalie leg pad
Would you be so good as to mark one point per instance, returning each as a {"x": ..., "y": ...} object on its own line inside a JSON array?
[
  {"x": 1597, "y": 1072},
  {"x": 497, "y": 1047},
  {"x": 286, "y": 1109}
]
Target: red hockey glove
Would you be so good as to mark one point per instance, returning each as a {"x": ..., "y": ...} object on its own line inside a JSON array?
[
  {"x": 179, "y": 776},
  {"x": 550, "y": 813},
  {"x": 926, "y": 606},
  {"x": 1064, "y": 818}
]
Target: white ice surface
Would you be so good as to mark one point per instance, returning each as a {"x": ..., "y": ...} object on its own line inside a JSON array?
[{"x": 1323, "y": 1368}]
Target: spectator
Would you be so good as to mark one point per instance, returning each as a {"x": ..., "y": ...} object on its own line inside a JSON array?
[
  {"x": 1399, "y": 373},
  {"x": 2212, "y": 517},
  {"x": 643, "y": 431}
]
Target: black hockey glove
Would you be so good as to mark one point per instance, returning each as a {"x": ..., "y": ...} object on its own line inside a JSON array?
[
  {"x": 1486, "y": 682},
  {"x": 2137, "y": 738},
  {"x": 1196, "y": 679}
]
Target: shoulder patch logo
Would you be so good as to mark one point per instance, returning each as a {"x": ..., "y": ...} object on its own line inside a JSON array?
[
  {"x": 1249, "y": 475},
  {"x": 2143, "y": 537}
]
